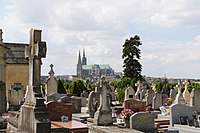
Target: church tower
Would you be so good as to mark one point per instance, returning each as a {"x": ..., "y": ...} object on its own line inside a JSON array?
[
  {"x": 79, "y": 65},
  {"x": 84, "y": 59}
]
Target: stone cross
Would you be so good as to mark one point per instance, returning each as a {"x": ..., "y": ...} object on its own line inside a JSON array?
[
  {"x": 139, "y": 89},
  {"x": 33, "y": 117},
  {"x": 179, "y": 96},
  {"x": 103, "y": 115},
  {"x": 34, "y": 52},
  {"x": 186, "y": 93}
]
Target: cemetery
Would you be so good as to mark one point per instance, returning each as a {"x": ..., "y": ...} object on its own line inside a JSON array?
[{"x": 106, "y": 108}]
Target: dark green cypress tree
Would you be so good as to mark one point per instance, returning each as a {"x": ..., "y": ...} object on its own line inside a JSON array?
[{"x": 131, "y": 57}]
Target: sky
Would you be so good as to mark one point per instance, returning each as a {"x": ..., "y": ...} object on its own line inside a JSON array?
[{"x": 169, "y": 32}]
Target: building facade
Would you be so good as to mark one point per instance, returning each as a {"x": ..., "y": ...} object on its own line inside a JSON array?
[
  {"x": 95, "y": 70},
  {"x": 13, "y": 65}
]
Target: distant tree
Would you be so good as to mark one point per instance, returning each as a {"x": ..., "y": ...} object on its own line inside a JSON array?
[
  {"x": 131, "y": 56},
  {"x": 60, "y": 87},
  {"x": 78, "y": 86}
]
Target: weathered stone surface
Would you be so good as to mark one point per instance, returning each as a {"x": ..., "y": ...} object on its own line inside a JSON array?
[
  {"x": 129, "y": 93},
  {"x": 51, "y": 82},
  {"x": 177, "y": 110},
  {"x": 172, "y": 94},
  {"x": 195, "y": 99},
  {"x": 179, "y": 97},
  {"x": 103, "y": 115},
  {"x": 16, "y": 96},
  {"x": 142, "y": 121},
  {"x": 186, "y": 93},
  {"x": 2, "y": 97},
  {"x": 76, "y": 104},
  {"x": 93, "y": 103},
  {"x": 149, "y": 97},
  {"x": 33, "y": 116},
  {"x": 157, "y": 101},
  {"x": 139, "y": 89},
  {"x": 57, "y": 110},
  {"x": 135, "y": 105}
]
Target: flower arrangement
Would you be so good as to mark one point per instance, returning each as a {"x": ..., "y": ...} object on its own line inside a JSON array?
[
  {"x": 169, "y": 101},
  {"x": 126, "y": 114}
]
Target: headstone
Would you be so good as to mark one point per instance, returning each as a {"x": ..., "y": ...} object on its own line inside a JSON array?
[
  {"x": 2, "y": 97},
  {"x": 135, "y": 105},
  {"x": 179, "y": 97},
  {"x": 177, "y": 110},
  {"x": 172, "y": 94},
  {"x": 157, "y": 101},
  {"x": 51, "y": 82},
  {"x": 149, "y": 97},
  {"x": 186, "y": 93},
  {"x": 103, "y": 115},
  {"x": 16, "y": 96},
  {"x": 129, "y": 93},
  {"x": 142, "y": 94},
  {"x": 54, "y": 96},
  {"x": 57, "y": 110},
  {"x": 84, "y": 97},
  {"x": 113, "y": 96},
  {"x": 164, "y": 92},
  {"x": 195, "y": 99},
  {"x": 33, "y": 117},
  {"x": 93, "y": 103},
  {"x": 76, "y": 104},
  {"x": 142, "y": 121},
  {"x": 139, "y": 88}
]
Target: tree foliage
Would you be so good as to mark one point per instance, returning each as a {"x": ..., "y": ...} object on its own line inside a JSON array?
[
  {"x": 60, "y": 87},
  {"x": 131, "y": 57}
]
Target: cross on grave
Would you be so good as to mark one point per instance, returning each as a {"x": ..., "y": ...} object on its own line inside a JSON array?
[
  {"x": 186, "y": 93},
  {"x": 33, "y": 117},
  {"x": 34, "y": 52}
]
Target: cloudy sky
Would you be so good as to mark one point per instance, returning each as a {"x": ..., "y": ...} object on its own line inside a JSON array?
[{"x": 169, "y": 31}]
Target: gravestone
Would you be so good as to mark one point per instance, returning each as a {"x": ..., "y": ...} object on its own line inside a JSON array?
[
  {"x": 84, "y": 97},
  {"x": 2, "y": 98},
  {"x": 149, "y": 97},
  {"x": 57, "y": 110},
  {"x": 135, "y": 105},
  {"x": 177, "y": 110},
  {"x": 157, "y": 101},
  {"x": 139, "y": 88},
  {"x": 172, "y": 94},
  {"x": 129, "y": 93},
  {"x": 76, "y": 104},
  {"x": 93, "y": 103},
  {"x": 51, "y": 82},
  {"x": 142, "y": 121},
  {"x": 195, "y": 99},
  {"x": 142, "y": 94},
  {"x": 103, "y": 115},
  {"x": 16, "y": 96},
  {"x": 113, "y": 96},
  {"x": 33, "y": 117},
  {"x": 179, "y": 97},
  {"x": 186, "y": 93}
]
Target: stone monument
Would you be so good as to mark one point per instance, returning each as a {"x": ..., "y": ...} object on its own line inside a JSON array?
[
  {"x": 179, "y": 96},
  {"x": 103, "y": 115},
  {"x": 16, "y": 96},
  {"x": 33, "y": 117},
  {"x": 129, "y": 93},
  {"x": 51, "y": 82},
  {"x": 194, "y": 99},
  {"x": 186, "y": 93},
  {"x": 139, "y": 89}
]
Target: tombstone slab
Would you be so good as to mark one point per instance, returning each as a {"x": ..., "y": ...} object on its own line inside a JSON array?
[
  {"x": 135, "y": 105},
  {"x": 157, "y": 101},
  {"x": 51, "y": 82},
  {"x": 142, "y": 121},
  {"x": 195, "y": 99},
  {"x": 177, "y": 110},
  {"x": 129, "y": 93},
  {"x": 186, "y": 93}
]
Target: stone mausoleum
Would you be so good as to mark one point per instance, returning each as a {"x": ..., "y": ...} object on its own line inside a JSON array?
[{"x": 13, "y": 65}]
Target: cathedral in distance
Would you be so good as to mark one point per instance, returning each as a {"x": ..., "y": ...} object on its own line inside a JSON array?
[{"x": 96, "y": 70}]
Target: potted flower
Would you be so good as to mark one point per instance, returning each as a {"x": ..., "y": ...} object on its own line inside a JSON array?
[{"x": 126, "y": 114}]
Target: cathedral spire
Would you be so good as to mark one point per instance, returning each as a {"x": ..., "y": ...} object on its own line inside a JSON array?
[
  {"x": 84, "y": 59},
  {"x": 79, "y": 65}
]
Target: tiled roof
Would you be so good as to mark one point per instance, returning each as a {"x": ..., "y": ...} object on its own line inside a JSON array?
[{"x": 16, "y": 53}]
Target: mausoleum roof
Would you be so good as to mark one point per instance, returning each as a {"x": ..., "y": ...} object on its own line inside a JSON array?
[{"x": 16, "y": 53}]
